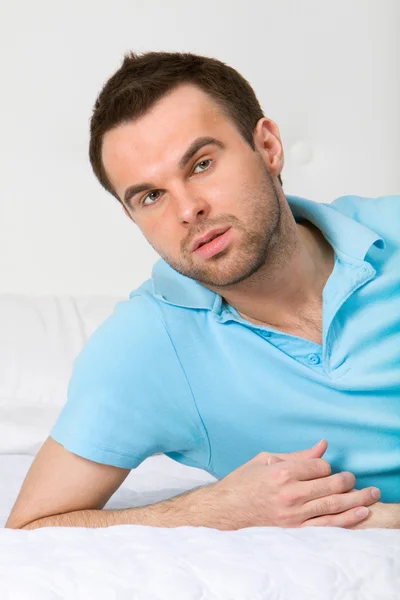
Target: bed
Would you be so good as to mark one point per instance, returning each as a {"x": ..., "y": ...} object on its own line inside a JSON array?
[{"x": 39, "y": 337}]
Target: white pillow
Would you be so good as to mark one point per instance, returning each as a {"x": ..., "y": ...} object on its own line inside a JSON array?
[{"x": 39, "y": 339}]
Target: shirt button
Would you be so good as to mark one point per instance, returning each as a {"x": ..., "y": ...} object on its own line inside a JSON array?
[{"x": 314, "y": 359}]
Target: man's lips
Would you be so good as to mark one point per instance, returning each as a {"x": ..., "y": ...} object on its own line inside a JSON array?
[{"x": 207, "y": 237}]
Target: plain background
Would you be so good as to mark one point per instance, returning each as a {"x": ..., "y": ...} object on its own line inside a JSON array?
[{"x": 327, "y": 73}]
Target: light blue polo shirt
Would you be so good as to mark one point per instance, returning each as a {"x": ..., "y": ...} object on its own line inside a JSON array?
[{"x": 177, "y": 370}]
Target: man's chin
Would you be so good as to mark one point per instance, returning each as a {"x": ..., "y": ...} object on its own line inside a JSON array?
[
  {"x": 213, "y": 275},
  {"x": 220, "y": 271},
  {"x": 221, "y": 277}
]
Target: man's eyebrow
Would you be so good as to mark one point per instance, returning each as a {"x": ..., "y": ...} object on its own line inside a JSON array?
[{"x": 194, "y": 147}]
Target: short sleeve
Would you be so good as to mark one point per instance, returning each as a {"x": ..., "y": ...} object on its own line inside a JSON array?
[{"x": 128, "y": 397}]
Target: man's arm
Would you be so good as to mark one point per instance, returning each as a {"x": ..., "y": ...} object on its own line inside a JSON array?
[
  {"x": 176, "y": 512},
  {"x": 62, "y": 489}
]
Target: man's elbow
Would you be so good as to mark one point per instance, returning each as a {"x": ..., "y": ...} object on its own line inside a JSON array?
[{"x": 14, "y": 523}]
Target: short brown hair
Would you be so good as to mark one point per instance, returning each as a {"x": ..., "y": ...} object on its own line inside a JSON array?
[{"x": 143, "y": 79}]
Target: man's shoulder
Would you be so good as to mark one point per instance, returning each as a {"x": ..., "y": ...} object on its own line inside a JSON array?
[
  {"x": 138, "y": 313},
  {"x": 361, "y": 208},
  {"x": 381, "y": 214},
  {"x": 133, "y": 332}
]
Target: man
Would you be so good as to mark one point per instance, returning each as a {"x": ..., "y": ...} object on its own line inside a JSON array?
[{"x": 269, "y": 322}]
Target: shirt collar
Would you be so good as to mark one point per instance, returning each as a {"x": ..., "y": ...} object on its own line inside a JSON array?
[{"x": 348, "y": 237}]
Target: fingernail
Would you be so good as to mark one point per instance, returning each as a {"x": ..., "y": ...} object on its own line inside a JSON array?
[
  {"x": 318, "y": 443},
  {"x": 375, "y": 493},
  {"x": 362, "y": 512}
]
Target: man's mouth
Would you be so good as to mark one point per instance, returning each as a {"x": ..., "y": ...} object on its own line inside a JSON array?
[{"x": 208, "y": 237}]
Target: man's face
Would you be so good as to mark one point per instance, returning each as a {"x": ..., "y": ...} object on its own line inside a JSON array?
[{"x": 224, "y": 184}]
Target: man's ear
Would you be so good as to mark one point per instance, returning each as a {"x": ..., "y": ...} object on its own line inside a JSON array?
[{"x": 268, "y": 142}]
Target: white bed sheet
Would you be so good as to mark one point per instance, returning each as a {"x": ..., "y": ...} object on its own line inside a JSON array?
[{"x": 188, "y": 563}]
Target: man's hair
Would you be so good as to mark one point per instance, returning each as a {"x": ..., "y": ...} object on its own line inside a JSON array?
[{"x": 144, "y": 79}]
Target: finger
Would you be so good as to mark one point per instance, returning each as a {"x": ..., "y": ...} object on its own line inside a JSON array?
[
  {"x": 344, "y": 519},
  {"x": 316, "y": 451},
  {"x": 302, "y": 470},
  {"x": 339, "y": 503},
  {"x": 272, "y": 460},
  {"x": 339, "y": 483}
]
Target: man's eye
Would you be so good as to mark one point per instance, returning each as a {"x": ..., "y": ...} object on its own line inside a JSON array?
[
  {"x": 201, "y": 164},
  {"x": 149, "y": 195},
  {"x": 204, "y": 166}
]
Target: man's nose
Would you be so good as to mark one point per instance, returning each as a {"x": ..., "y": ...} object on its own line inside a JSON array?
[{"x": 190, "y": 205}]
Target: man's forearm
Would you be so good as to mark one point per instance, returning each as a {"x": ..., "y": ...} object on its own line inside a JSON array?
[
  {"x": 191, "y": 508},
  {"x": 390, "y": 517},
  {"x": 396, "y": 511},
  {"x": 381, "y": 516}
]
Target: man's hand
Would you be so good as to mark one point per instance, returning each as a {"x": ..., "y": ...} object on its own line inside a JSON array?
[
  {"x": 381, "y": 515},
  {"x": 289, "y": 490}
]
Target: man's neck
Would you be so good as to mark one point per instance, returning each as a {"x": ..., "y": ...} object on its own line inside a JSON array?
[{"x": 289, "y": 297}]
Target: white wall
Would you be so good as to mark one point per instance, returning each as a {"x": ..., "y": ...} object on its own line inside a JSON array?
[{"x": 327, "y": 72}]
